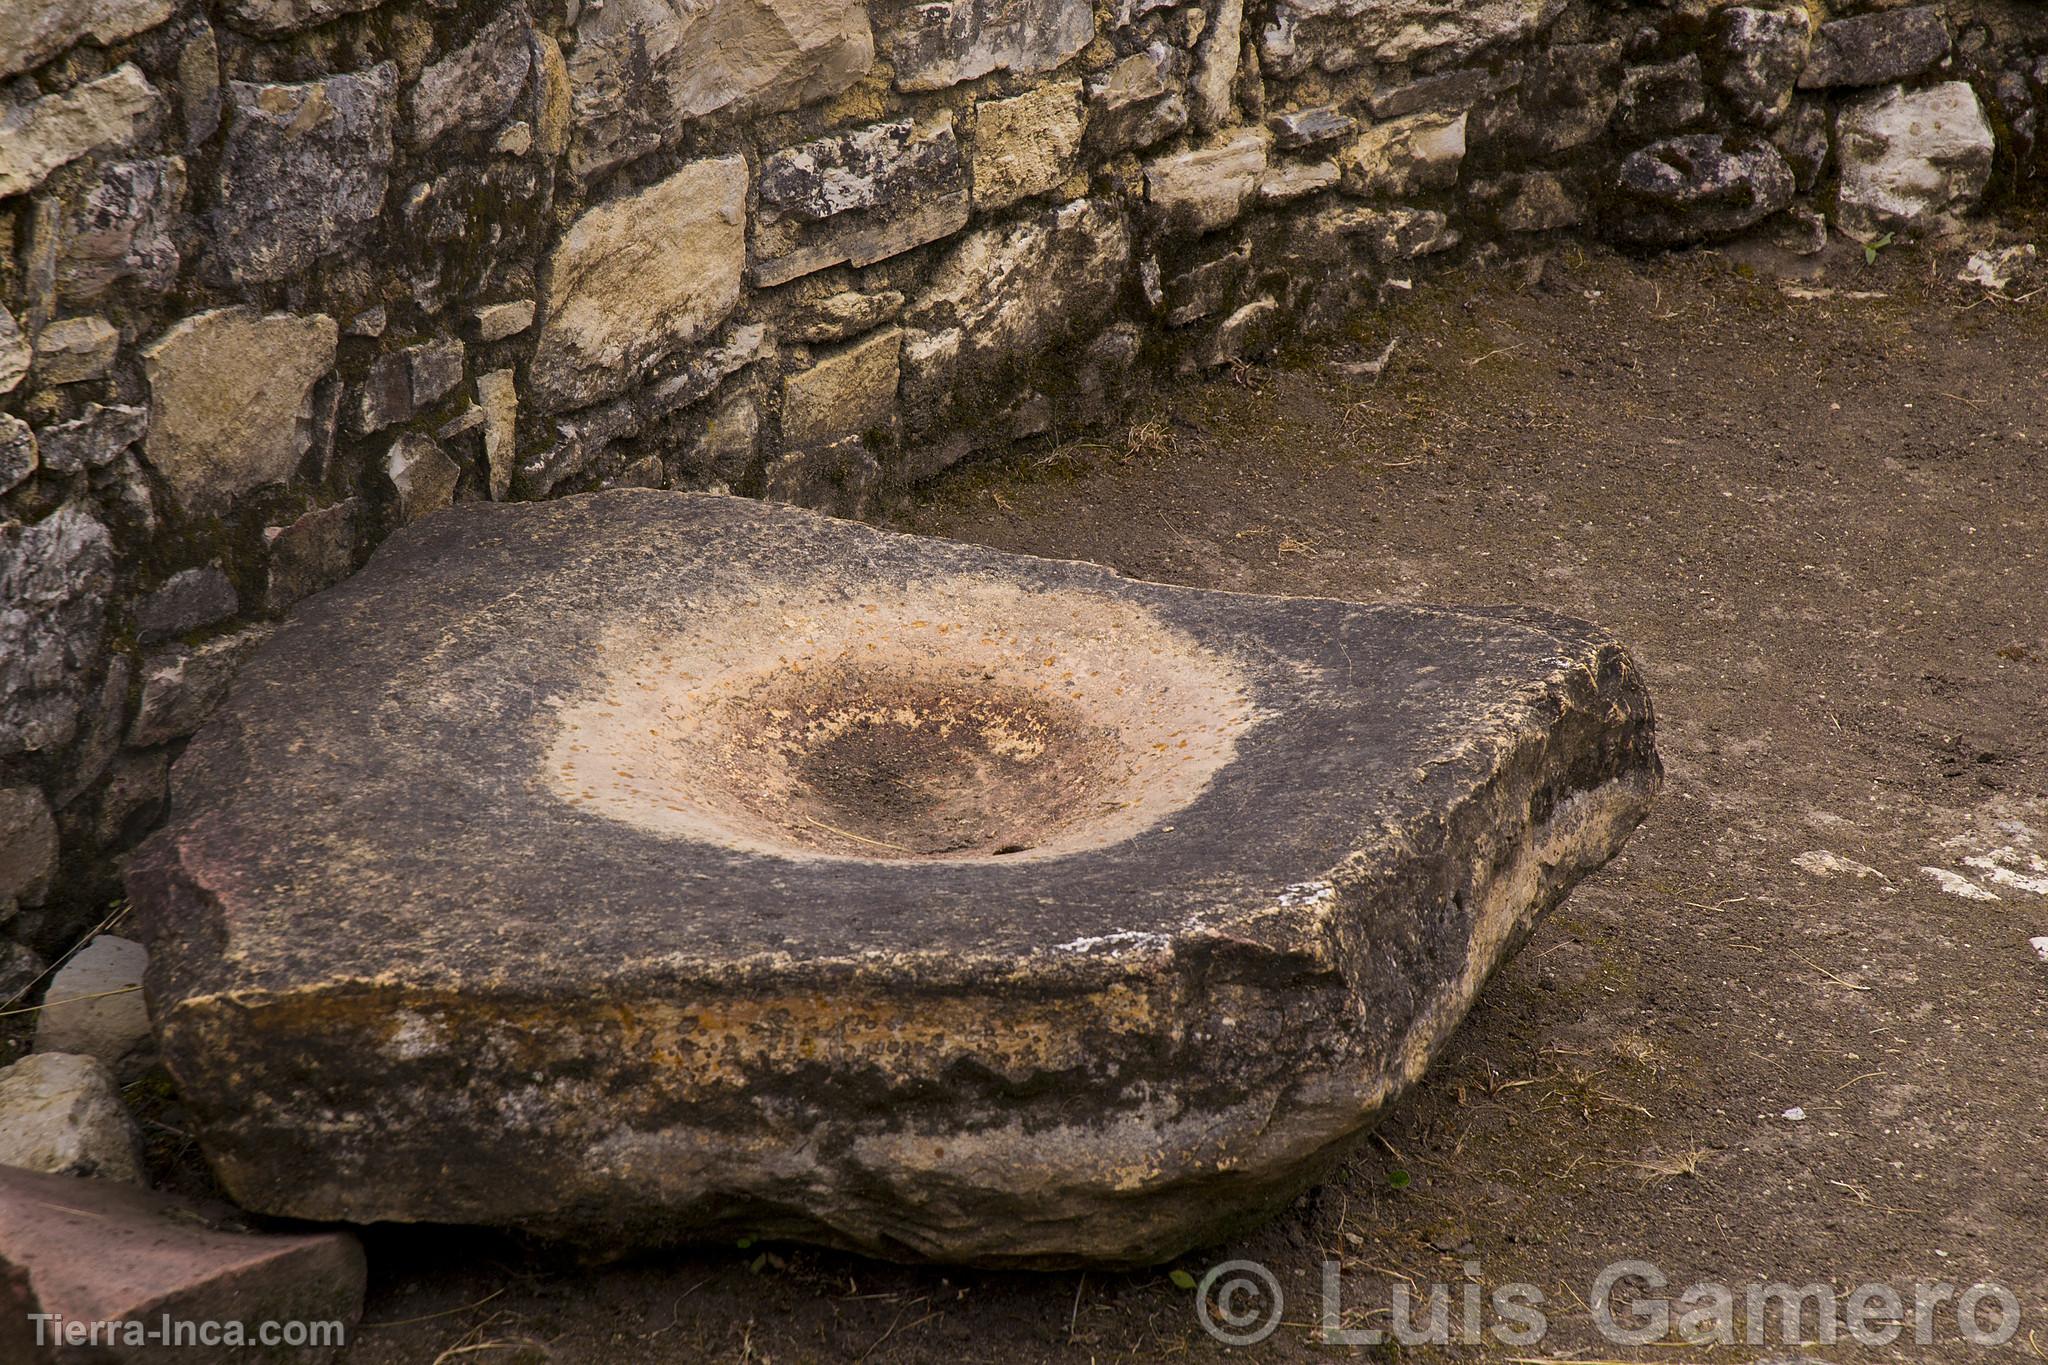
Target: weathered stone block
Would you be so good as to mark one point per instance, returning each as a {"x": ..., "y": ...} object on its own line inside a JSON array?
[
  {"x": 1310, "y": 127},
  {"x": 121, "y": 231},
  {"x": 1303, "y": 32},
  {"x": 286, "y": 16},
  {"x": 475, "y": 87},
  {"x": 1758, "y": 54},
  {"x": 944, "y": 42},
  {"x": 94, "y": 1007},
  {"x": 189, "y": 600},
  {"x": 422, "y": 474},
  {"x": 1870, "y": 49},
  {"x": 1216, "y": 62},
  {"x": 93, "y": 439},
  {"x": 304, "y": 168},
  {"x": 73, "y": 350},
  {"x": 639, "y": 277},
  {"x": 181, "y": 686},
  {"x": 1135, "y": 104},
  {"x": 61, "y": 1113},
  {"x": 1909, "y": 156},
  {"x": 1444, "y": 92},
  {"x": 15, "y": 352},
  {"x": 28, "y": 845},
  {"x": 231, "y": 401},
  {"x": 1663, "y": 98},
  {"x": 849, "y": 393},
  {"x": 33, "y": 31},
  {"x": 1686, "y": 189},
  {"x": 39, "y": 136},
  {"x": 1209, "y": 187},
  {"x": 1026, "y": 144},
  {"x": 314, "y": 552},
  {"x": 859, "y": 197},
  {"x": 496, "y": 321},
  {"x": 977, "y": 1008},
  {"x": 19, "y": 457},
  {"x": 642, "y": 70},
  {"x": 54, "y": 578},
  {"x": 1422, "y": 151}
]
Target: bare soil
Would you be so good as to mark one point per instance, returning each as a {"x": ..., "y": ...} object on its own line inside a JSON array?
[{"x": 1764, "y": 1044}]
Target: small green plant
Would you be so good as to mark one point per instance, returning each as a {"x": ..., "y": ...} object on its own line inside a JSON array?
[
  {"x": 1400, "y": 1180},
  {"x": 1181, "y": 1279},
  {"x": 1873, "y": 246}
]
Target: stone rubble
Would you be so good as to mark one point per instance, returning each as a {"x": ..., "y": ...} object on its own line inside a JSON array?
[{"x": 61, "y": 1113}]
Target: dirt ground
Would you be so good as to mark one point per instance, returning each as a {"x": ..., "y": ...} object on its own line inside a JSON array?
[{"x": 1766, "y": 1043}]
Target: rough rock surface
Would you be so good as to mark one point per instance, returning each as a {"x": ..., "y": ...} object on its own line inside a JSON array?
[
  {"x": 62, "y": 1113},
  {"x": 1908, "y": 156},
  {"x": 41, "y": 135},
  {"x": 95, "y": 1252},
  {"x": 1870, "y": 49},
  {"x": 33, "y": 31},
  {"x": 897, "y": 894},
  {"x": 94, "y": 1005},
  {"x": 54, "y": 578},
  {"x": 231, "y": 394},
  {"x": 942, "y": 44},
  {"x": 639, "y": 276},
  {"x": 641, "y": 69},
  {"x": 304, "y": 168},
  {"x": 1758, "y": 55},
  {"x": 1685, "y": 189}
]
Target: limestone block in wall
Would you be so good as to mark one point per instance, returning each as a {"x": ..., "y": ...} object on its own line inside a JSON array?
[
  {"x": 639, "y": 277},
  {"x": 1871, "y": 49},
  {"x": 1908, "y": 156},
  {"x": 286, "y": 16},
  {"x": 19, "y": 456},
  {"x": 28, "y": 845},
  {"x": 641, "y": 70},
  {"x": 1005, "y": 295},
  {"x": 1400, "y": 156},
  {"x": 181, "y": 686},
  {"x": 1702, "y": 185},
  {"x": 39, "y": 136},
  {"x": 943, "y": 43},
  {"x": 1026, "y": 144},
  {"x": 120, "y": 231},
  {"x": 73, "y": 350},
  {"x": 475, "y": 87},
  {"x": 848, "y": 393},
  {"x": 1757, "y": 54},
  {"x": 1303, "y": 32},
  {"x": 1208, "y": 187},
  {"x": 15, "y": 352},
  {"x": 189, "y": 600},
  {"x": 1135, "y": 103},
  {"x": 1664, "y": 97},
  {"x": 859, "y": 197},
  {"x": 33, "y": 31},
  {"x": 305, "y": 168},
  {"x": 54, "y": 578},
  {"x": 314, "y": 552},
  {"x": 1216, "y": 62},
  {"x": 497, "y": 396},
  {"x": 231, "y": 401},
  {"x": 93, "y": 439},
  {"x": 422, "y": 475}
]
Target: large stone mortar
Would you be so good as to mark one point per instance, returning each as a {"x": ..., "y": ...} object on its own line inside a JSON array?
[{"x": 641, "y": 867}]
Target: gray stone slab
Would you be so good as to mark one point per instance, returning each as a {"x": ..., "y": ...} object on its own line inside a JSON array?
[{"x": 650, "y": 866}]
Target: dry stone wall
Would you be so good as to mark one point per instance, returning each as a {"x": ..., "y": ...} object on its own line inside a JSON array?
[{"x": 281, "y": 275}]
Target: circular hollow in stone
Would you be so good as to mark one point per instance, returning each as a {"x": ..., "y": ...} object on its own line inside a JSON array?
[
  {"x": 642, "y": 867},
  {"x": 948, "y": 719}
]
